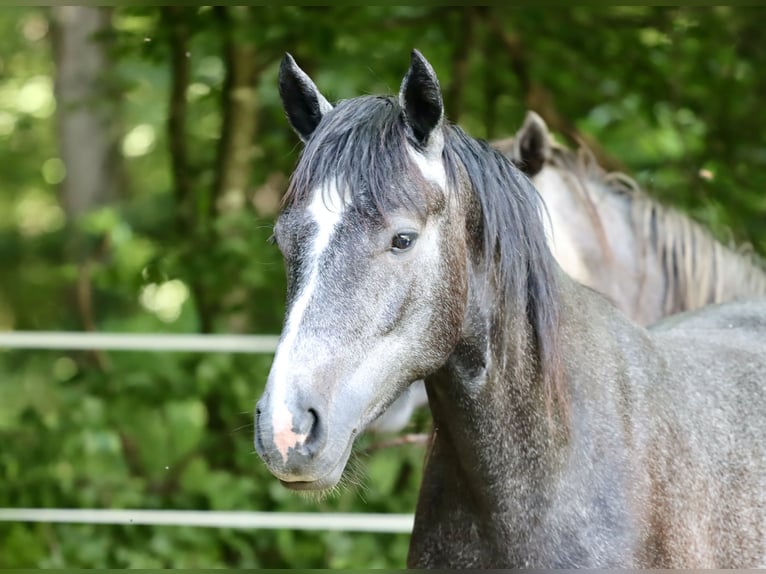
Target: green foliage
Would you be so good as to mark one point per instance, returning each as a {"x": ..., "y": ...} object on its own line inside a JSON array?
[{"x": 672, "y": 93}]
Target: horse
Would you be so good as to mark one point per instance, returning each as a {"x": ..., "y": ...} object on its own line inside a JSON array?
[
  {"x": 607, "y": 233},
  {"x": 565, "y": 435}
]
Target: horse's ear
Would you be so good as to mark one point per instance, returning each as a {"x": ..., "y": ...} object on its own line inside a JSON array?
[
  {"x": 303, "y": 103},
  {"x": 532, "y": 145},
  {"x": 421, "y": 99}
]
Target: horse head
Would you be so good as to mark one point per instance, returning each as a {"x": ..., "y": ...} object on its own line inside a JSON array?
[{"x": 375, "y": 265}]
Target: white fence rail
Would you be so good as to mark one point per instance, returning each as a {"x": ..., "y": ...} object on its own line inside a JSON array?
[
  {"x": 72, "y": 341},
  {"x": 350, "y": 522},
  {"x": 55, "y": 340}
]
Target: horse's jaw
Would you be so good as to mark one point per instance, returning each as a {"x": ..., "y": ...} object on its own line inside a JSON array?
[{"x": 308, "y": 420}]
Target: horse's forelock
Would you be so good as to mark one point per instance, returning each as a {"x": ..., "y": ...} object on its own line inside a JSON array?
[{"x": 362, "y": 144}]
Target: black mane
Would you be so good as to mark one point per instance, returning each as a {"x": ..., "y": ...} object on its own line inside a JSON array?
[{"x": 514, "y": 246}]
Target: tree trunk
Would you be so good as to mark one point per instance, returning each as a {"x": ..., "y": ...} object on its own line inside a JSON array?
[
  {"x": 88, "y": 134},
  {"x": 239, "y": 108}
]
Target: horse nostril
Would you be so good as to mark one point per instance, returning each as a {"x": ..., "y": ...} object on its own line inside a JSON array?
[
  {"x": 293, "y": 437},
  {"x": 314, "y": 421},
  {"x": 313, "y": 431}
]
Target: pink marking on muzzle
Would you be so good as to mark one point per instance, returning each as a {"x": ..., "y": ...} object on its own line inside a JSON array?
[{"x": 284, "y": 437}]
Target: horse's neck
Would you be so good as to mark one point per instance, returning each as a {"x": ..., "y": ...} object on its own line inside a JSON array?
[
  {"x": 495, "y": 470},
  {"x": 494, "y": 446},
  {"x": 636, "y": 279},
  {"x": 649, "y": 260},
  {"x": 591, "y": 236}
]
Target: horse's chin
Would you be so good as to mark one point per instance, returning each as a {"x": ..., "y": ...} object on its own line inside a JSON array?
[
  {"x": 317, "y": 486},
  {"x": 327, "y": 480}
]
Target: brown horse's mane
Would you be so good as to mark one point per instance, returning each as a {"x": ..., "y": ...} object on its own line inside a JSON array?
[{"x": 697, "y": 266}]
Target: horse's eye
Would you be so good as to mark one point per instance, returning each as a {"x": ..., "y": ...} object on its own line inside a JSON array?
[{"x": 403, "y": 241}]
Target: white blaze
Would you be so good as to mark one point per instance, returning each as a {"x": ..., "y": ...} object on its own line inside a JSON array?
[
  {"x": 328, "y": 204},
  {"x": 430, "y": 166},
  {"x": 326, "y": 210}
]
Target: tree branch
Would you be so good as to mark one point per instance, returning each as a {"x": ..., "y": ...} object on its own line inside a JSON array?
[
  {"x": 537, "y": 98},
  {"x": 460, "y": 57},
  {"x": 240, "y": 110},
  {"x": 174, "y": 18},
  {"x": 84, "y": 296},
  {"x": 190, "y": 220},
  {"x": 417, "y": 438},
  {"x": 513, "y": 47}
]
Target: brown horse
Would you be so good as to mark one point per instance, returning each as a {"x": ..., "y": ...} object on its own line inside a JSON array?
[
  {"x": 649, "y": 259},
  {"x": 565, "y": 434}
]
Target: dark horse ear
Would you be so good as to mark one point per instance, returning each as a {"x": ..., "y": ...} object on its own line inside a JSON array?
[
  {"x": 303, "y": 103},
  {"x": 532, "y": 145},
  {"x": 421, "y": 99}
]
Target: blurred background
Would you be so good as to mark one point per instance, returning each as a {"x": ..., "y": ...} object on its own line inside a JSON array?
[{"x": 144, "y": 152}]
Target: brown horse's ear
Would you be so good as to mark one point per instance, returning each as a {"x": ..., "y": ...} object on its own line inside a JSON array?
[
  {"x": 303, "y": 103},
  {"x": 532, "y": 145},
  {"x": 421, "y": 99}
]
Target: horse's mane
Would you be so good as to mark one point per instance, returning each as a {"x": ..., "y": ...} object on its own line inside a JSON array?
[
  {"x": 696, "y": 266},
  {"x": 362, "y": 142},
  {"x": 515, "y": 247}
]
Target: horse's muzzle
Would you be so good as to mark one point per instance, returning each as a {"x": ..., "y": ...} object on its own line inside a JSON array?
[{"x": 290, "y": 439}]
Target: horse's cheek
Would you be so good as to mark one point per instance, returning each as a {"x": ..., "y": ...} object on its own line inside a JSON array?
[{"x": 453, "y": 297}]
